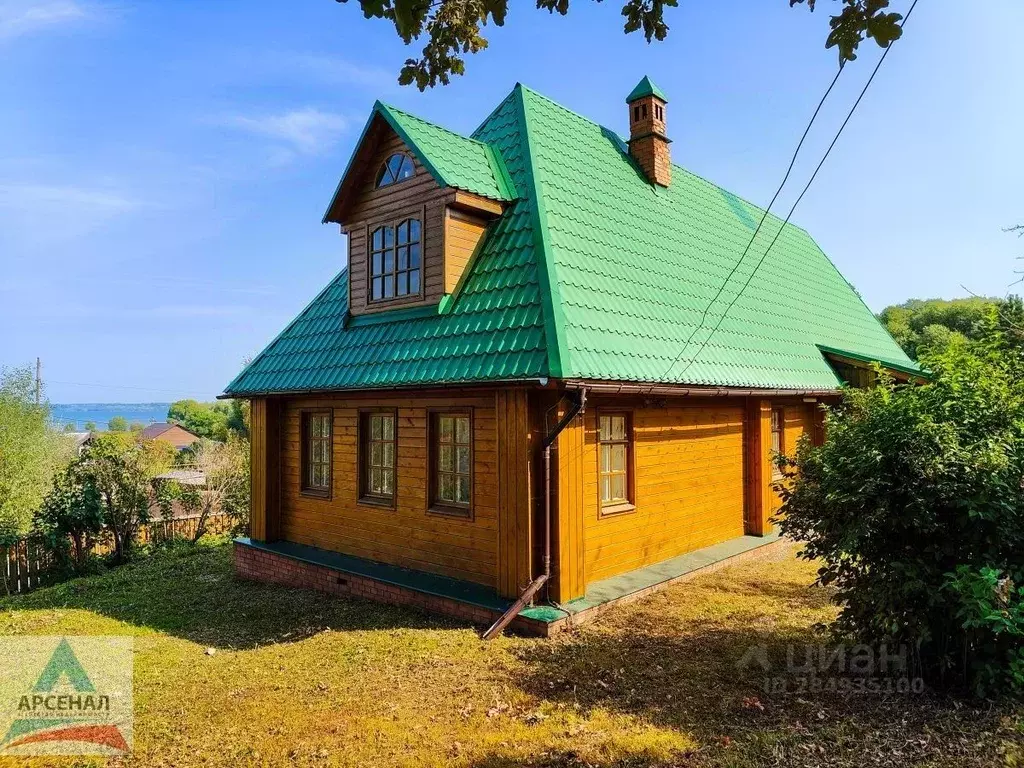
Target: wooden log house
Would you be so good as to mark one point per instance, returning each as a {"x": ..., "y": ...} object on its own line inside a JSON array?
[{"x": 548, "y": 371}]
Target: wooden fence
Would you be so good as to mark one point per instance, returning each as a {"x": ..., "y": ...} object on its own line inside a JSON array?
[{"x": 27, "y": 565}]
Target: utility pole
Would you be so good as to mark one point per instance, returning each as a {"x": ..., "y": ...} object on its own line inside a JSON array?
[{"x": 39, "y": 379}]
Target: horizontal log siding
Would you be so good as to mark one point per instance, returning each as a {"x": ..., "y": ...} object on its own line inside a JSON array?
[
  {"x": 689, "y": 475},
  {"x": 420, "y": 197},
  {"x": 798, "y": 419},
  {"x": 407, "y": 535}
]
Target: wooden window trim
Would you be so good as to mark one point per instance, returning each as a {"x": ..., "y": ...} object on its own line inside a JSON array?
[
  {"x": 305, "y": 489},
  {"x": 447, "y": 509},
  {"x": 363, "y": 495},
  {"x": 619, "y": 507},
  {"x": 393, "y": 220}
]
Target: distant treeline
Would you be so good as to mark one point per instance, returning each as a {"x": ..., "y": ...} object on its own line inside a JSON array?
[{"x": 923, "y": 326}]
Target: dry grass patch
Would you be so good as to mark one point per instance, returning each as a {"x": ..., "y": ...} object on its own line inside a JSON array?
[{"x": 303, "y": 679}]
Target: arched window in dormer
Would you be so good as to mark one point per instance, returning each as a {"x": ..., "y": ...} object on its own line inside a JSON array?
[{"x": 396, "y": 168}]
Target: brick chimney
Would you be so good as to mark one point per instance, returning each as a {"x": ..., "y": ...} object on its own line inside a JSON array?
[{"x": 648, "y": 143}]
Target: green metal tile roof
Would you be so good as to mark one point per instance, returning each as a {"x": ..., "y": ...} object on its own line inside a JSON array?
[
  {"x": 646, "y": 87},
  {"x": 637, "y": 264},
  {"x": 592, "y": 273},
  {"x": 453, "y": 160}
]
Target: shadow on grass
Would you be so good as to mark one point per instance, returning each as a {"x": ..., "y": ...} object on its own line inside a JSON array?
[
  {"x": 696, "y": 683},
  {"x": 193, "y": 593},
  {"x": 570, "y": 759}
]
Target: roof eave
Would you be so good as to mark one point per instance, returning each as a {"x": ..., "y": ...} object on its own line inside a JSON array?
[
  {"x": 538, "y": 381},
  {"x": 602, "y": 386}
]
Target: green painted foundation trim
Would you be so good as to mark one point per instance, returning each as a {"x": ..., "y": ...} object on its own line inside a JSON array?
[
  {"x": 420, "y": 581},
  {"x": 606, "y": 590},
  {"x": 599, "y": 593}
]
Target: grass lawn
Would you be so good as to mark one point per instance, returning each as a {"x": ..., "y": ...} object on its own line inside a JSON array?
[{"x": 299, "y": 678}]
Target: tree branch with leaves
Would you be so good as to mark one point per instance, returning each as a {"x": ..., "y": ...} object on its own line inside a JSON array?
[{"x": 454, "y": 27}]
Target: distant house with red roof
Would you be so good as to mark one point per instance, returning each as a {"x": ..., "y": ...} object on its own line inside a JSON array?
[{"x": 174, "y": 434}]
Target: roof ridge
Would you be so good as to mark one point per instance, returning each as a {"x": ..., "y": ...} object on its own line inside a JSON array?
[
  {"x": 432, "y": 124},
  {"x": 674, "y": 164},
  {"x": 511, "y": 95},
  {"x": 551, "y": 298}
]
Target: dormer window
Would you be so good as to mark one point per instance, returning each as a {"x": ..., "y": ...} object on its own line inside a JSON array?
[
  {"x": 396, "y": 168},
  {"x": 395, "y": 260}
]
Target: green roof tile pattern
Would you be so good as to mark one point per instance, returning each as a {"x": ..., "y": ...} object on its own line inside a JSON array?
[
  {"x": 591, "y": 273},
  {"x": 493, "y": 330},
  {"x": 454, "y": 160},
  {"x": 636, "y": 266},
  {"x": 646, "y": 88}
]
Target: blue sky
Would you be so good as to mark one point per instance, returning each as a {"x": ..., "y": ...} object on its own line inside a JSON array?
[{"x": 164, "y": 165}]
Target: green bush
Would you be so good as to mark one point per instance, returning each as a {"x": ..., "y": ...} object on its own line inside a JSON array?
[
  {"x": 70, "y": 520},
  {"x": 914, "y": 507}
]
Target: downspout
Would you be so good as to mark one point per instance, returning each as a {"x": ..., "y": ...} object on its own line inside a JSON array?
[{"x": 524, "y": 599}]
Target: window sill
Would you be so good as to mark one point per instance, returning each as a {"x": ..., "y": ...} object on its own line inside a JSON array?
[
  {"x": 460, "y": 513},
  {"x": 617, "y": 509},
  {"x": 372, "y": 501},
  {"x": 315, "y": 494}
]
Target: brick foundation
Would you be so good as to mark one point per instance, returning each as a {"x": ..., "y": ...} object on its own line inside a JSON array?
[{"x": 260, "y": 565}]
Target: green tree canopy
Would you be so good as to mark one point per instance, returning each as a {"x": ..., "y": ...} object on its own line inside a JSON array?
[
  {"x": 214, "y": 421},
  {"x": 453, "y": 28},
  {"x": 30, "y": 451},
  {"x": 121, "y": 468},
  {"x": 118, "y": 424},
  {"x": 929, "y": 325}
]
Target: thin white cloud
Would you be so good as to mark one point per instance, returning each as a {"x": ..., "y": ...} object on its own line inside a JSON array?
[
  {"x": 24, "y": 17},
  {"x": 28, "y": 212},
  {"x": 335, "y": 70},
  {"x": 33, "y": 196},
  {"x": 309, "y": 130}
]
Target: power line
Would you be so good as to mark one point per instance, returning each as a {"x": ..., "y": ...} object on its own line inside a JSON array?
[
  {"x": 814, "y": 175},
  {"x": 764, "y": 216}
]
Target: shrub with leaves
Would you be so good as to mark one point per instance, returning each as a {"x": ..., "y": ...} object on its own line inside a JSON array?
[
  {"x": 70, "y": 521},
  {"x": 122, "y": 468},
  {"x": 914, "y": 507}
]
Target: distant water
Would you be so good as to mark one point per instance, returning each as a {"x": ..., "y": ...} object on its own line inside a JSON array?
[{"x": 81, "y": 413}]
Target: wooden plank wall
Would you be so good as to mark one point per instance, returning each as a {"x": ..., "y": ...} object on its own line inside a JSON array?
[
  {"x": 798, "y": 419},
  {"x": 568, "y": 470},
  {"x": 515, "y": 509},
  {"x": 463, "y": 233},
  {"x": 688, "y": 487},
  {"x": 407, "y": 535}
]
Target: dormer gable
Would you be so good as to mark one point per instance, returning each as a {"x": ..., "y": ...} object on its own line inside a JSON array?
[{"x": 415, "y": 201}]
